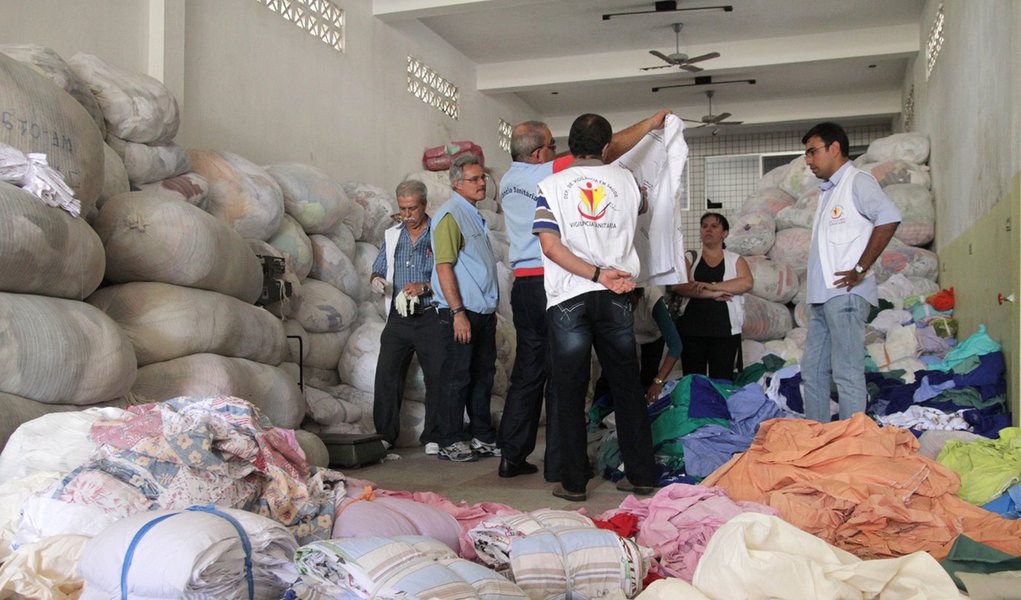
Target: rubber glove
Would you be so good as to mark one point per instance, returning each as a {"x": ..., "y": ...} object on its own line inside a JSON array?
[
  {"x": 378, "y": 285},
  {"x": 405, "y": 304}
]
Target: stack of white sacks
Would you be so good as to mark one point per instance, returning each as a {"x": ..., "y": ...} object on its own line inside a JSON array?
[
  {"x": 773, "y": 231},
  {"x": 179, "y": 255}
]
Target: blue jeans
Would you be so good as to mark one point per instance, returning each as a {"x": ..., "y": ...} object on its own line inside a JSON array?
[
  {"x": 835, "y": 352},
  {"x": 602, "y": 320},
  {"x": 528, "y": 380},
  {"x": 468, "y": 371}
]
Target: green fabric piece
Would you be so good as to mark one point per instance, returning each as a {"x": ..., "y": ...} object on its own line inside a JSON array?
[
  {"x": 674, "y": 423},
  {"x": 975, "y": 557},
  {"x": 772, "y": 362},
  {"x": 977, "y": 344},
  {"x": 968, "y": 397},
  {"x": 987, "y": 467},
  {"x": 751, "y": 374}
]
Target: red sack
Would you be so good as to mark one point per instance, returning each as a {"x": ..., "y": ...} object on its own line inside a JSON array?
[{"x": 440, "y": 158}]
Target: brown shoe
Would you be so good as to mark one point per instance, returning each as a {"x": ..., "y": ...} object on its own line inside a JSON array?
[
  {"x": 568, "y": 495},
  {"x": 624, "y": 485}
]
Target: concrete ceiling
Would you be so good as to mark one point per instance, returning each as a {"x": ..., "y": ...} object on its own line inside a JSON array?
[{"x": 811, "y": 59}]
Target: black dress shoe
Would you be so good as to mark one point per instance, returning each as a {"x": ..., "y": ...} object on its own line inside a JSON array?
[{"x": 509, "y": 469}]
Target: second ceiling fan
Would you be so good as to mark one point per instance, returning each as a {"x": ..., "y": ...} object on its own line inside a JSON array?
[
  {"x": 711, "y": 119},
  {"x": 678, "y": 58}
]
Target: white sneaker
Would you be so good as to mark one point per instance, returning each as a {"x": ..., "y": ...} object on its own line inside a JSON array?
[
  {"x": 484, "y": 448},
  {"x": 432, "y": 448}
]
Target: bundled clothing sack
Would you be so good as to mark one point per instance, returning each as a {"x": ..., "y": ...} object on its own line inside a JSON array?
[
  {"x": 241, "y": 193},
  {"x": 401, "y": 567},
  {"x": 199, "y": 552},
  {"x": 439, "y": 158},
  {"x": 365, "y": 514},
  {"x": 311, "y": 197}
]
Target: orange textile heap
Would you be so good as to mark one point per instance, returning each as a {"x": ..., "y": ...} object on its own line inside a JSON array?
[{"x": 860, "y": 487}]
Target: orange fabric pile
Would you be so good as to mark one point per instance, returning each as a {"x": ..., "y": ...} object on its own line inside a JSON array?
[{"x": 860, "y": 487}]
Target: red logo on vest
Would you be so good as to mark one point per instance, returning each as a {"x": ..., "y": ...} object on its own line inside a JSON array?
[{"x": 592, "y": 205}]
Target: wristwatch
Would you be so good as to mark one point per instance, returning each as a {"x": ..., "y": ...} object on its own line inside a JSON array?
[
  {"x": 859, "y": 269},
  {"x": 658, "y": 381}
]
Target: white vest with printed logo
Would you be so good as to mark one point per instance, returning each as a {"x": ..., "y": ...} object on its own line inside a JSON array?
[{"x": 841, "y": 231}]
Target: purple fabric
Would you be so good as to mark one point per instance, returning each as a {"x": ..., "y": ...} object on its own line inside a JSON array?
[
  {"x": 705, "y": 401},
  {"x": 790, "y": 389},
  {"x": 926, "y": 390},
  {"x": 988, "y": 373}
]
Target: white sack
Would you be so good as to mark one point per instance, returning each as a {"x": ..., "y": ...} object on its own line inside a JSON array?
[
  {"x": 296, "y": 350},
  {"x": 311, "y": 197},
  {"x": 332, "y": 266},
  {"x": 166, "y": 321},
  {"x": 798, "y": 179},
  {"x": 437, "y": 183},
  {"x": 752, "y": 234},
  {"x": 16, "y": 411},
  {"x": 115, "y": 176},
  {"x": 765, "y": 320},
  {"x": 188, "y": 187},
  {"x": 291, "y": 240},
  {"x": 72, "y": 142},
  {"x": 201, "y": 375},
  {"x": 918, "y": 214},
  {"x": 149, "y": 239},
  {"x": 62, "y": 351},
  {"x": 906, "y": 260},
  {"x": 326, "y": 409},
  {"x": 136, "y": 107},
  {"x": 44, "y": 250},
  {"x": 240, "y": 192},
  {"x": 911, "y": 147},
  {"x": 770, "y": 199},
  {"x": 365, "y": 255},
  {"x": 792, "y": 247},
  {"x": 315, "y": 450},
  {"x": 897, "y": 171},
  {"x": 148, "y": 163},
  {"x": 324, "y": 308},
  {"x": 379, "y": 205},
  {"x": 324, "y": 349},
  {"x": 357, "y": 365},
  {"x": 344, "y": 239},
  {"x": 774, "y": 281}
]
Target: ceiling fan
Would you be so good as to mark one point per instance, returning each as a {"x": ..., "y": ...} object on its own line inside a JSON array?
[
  {"x": 668, "y": 6},
  {"x": 702, "y": 80},
  {"x": 711, "y": 119},
  {"x": 678, "y": 58}
]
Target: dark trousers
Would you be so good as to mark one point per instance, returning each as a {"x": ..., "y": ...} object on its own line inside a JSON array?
[
  {"x": 520, "y": 423},
  {"x": 602, "y": 320},
  {"x": 716, "y": 356},
  {"x": 468, "y": 371},
  {"x": 650, "y": 356},
  {"x": 401, "y": 338}
]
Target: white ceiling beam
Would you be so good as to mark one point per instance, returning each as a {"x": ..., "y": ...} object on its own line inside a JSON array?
[
  {"x": 405, "y": 10},
  {"x": 811, "y": 108},
  {"x": 515, "y": 76}
]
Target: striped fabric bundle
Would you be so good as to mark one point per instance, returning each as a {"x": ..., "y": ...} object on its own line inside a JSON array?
[
  {"x": 551, "y": 553},
  {"x": 397, "y": 567}
]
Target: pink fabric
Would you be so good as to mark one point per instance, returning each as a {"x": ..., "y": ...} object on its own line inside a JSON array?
[
  {"x": 363, "y": 515},
  {"x": 678, "y": 522}
]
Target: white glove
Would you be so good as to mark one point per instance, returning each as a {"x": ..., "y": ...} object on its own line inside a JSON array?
[
  {"x": 378, "y": 285},
  {"x": 405, "y": 304}
]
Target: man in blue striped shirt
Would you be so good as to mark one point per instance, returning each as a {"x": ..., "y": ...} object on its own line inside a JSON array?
[{"x": 402, "y": 272}]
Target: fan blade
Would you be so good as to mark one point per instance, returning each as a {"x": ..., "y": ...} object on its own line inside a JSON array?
[
  {"x": 662, "y": 56},
  {"x": 729, "y": 122},
  {"x": 656, "y": 67},
  {"x": 691, "y": 68},
  {"x": 715, "y": 119},
  {"x": 703, "y": 57},
  {"x": 690, "y": 120}
]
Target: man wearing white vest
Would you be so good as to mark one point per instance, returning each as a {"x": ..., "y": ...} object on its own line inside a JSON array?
[
  {"x": 853, "y": 224},
  {"x": 586, "y": 218},
  {"x": 465, "y": 285},
  {"x": 402, "y": 271}
]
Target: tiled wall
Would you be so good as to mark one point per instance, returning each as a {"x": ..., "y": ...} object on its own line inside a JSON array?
[{"x": 732, "y": 180}]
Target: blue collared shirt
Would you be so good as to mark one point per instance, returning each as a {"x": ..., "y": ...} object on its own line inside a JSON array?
[{"x": 413, "y": 262}]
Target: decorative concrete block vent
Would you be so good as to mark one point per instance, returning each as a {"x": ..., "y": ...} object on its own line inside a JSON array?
[{"x": 898, "y": 164}]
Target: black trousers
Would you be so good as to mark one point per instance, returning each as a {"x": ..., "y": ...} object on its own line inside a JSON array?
[
  {"x": 401, "y": 338},
  {"x": 715, "y": 356},
  {"x": 468, "y": 372},
  {"x": 529, "y": 379}
]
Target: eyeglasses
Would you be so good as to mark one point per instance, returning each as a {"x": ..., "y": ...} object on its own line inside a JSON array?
[
  {"x": 475, "y": 179},
  {"x": 810, "y": 152},
  {"x": 552, "y": 146}
]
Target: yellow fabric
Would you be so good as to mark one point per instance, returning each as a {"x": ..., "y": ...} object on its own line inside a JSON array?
[
  {"x": 987, "y": 467},
  {"x": 45, "y": 570}
]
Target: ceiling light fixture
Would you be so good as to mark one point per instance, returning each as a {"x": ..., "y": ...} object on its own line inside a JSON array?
[
  {"x": 662, "y": 6},
  {"x": 703, "y": 80}
]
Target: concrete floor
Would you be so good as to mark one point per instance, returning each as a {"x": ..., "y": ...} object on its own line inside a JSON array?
[{"x": 478, "y": 482}]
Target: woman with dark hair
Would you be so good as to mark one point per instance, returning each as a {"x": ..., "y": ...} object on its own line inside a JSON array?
[{"x": 710, "y": 326}]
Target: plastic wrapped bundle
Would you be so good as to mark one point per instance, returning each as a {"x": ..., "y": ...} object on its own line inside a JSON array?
[
  {"x": 918, "y": 224},
  {"x": 897, "y": 171},
  {"x": 438, "y": 186},
  {"x": 771, "y": 200},
  {"x": 798, "y": 179},
  {"x": 774, "y": 281},
  {"x": 325, "y": 349},
  {"x": 45, "y": 250},
  {"x": 240, "y": 192},
  {"x": 357, "y": 365},
  {"x": 386, "y": 516},
  {"x": 188, "y": 187},
  {"x": 148, "y": 163},
  {"x": 166, "y": 321},
  {"x": 379, "y": 206},
  {"x": 136, "y": 107},
  {"x": 765, "y": 320},
  {"x": 752, "y": 234},
  {"x": 324, "y": 308},
  {"x": 326, "y": 409},
  {"x": 772, "y": 178},
  {"x": 752, "y": 351},
  {"x": 311, "y": 197},
  {"x": 49, "y": 64},
  {"x": 792, "y": 217},
  {"x": 316, "y": 452},
  {"x": 115, "y": 176},
  {"x": 345, "y": 240},
  {"x": 291, "y": 240},
  {"x": 792, "y": 247},
  {"x": 149, "y": 239},
  {"x": 910, "y": 147},
  {"x": 906, "y": 260},
  {"x": 331, "y": 265},
  {"x": 365, "y": 255}
]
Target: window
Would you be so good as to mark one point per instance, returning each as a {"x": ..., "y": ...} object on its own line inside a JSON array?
[
  {"x": 935, "y": 42},
  {"x": 504, "y": 130},
  {"x": 428, "y": 86},
  {"x": 321, "y": 18}
]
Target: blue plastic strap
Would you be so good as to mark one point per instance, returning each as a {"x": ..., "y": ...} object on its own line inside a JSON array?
[{"x": 245, "y": 544}]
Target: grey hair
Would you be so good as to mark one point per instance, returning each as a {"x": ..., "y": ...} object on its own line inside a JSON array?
[
  {"x": 457, "y": 169},
  {"x": 529, "y": 140},
  {"x": 412, "y": 187}
]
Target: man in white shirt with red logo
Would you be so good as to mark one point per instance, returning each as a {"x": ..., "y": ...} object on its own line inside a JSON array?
[
  {"x": 586, "y": 218},
  {"x": 853, "y": 225}
]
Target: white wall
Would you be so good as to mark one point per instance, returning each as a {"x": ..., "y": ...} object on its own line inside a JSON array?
[
  {"x": 969, "y": 108},
  {"x": 253, "y": 83}
]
